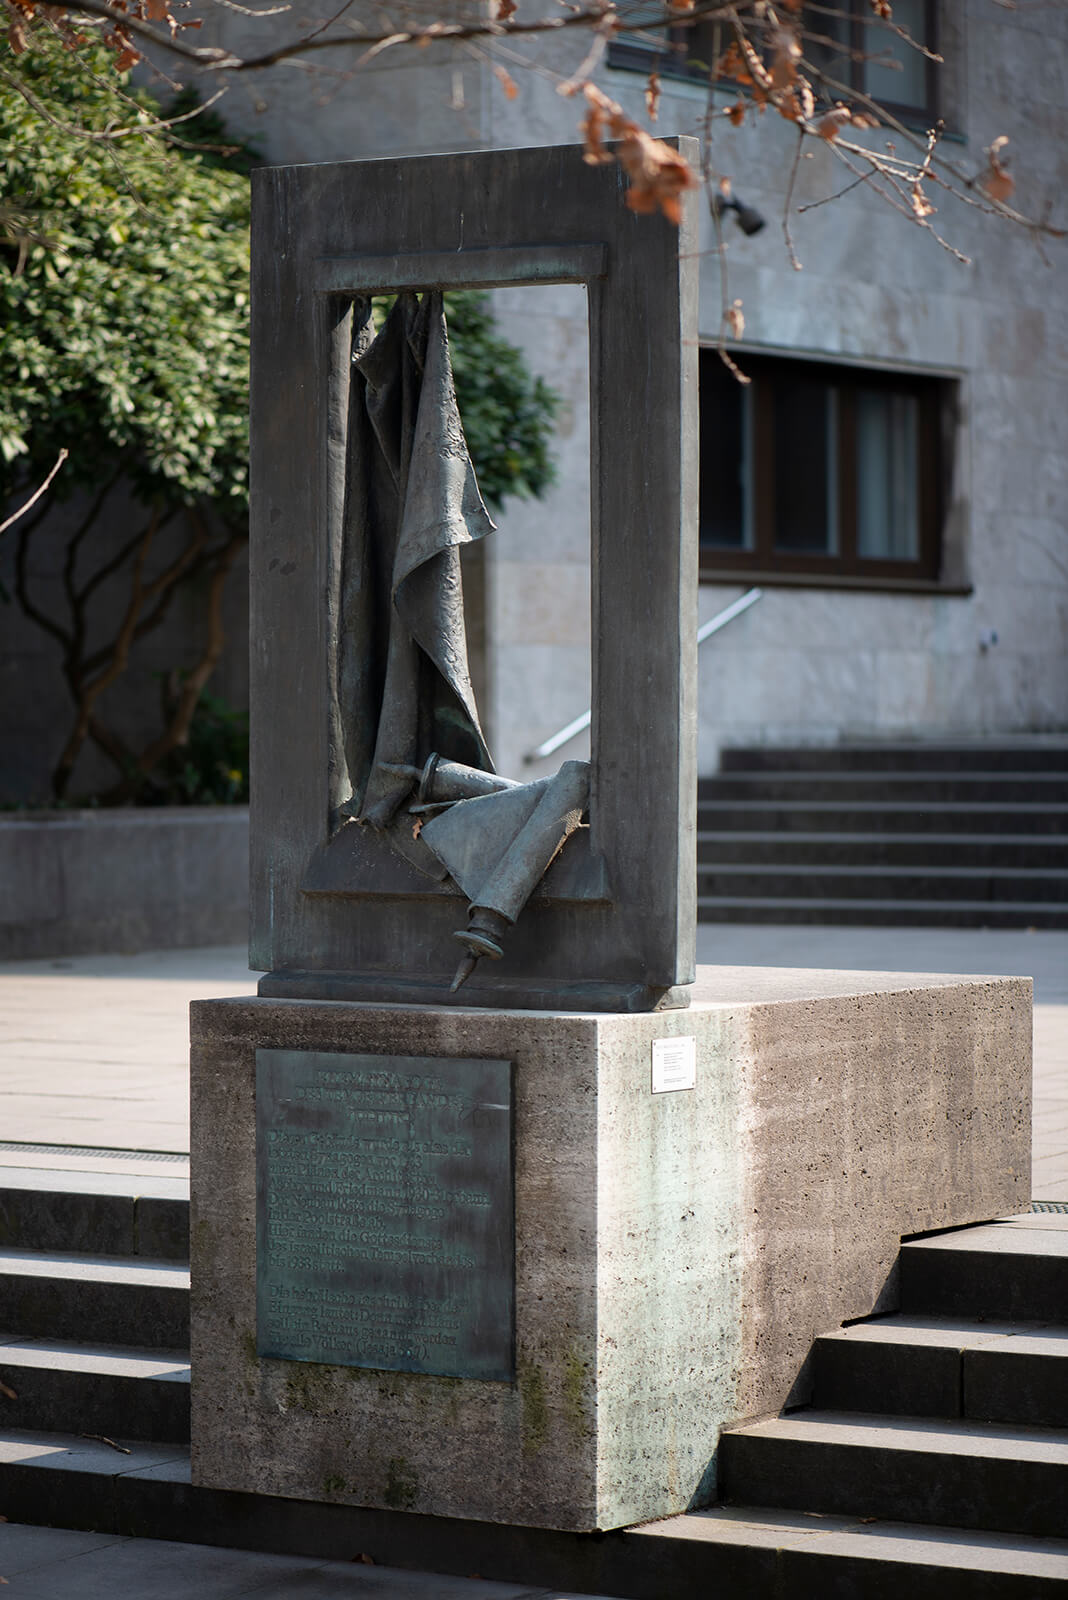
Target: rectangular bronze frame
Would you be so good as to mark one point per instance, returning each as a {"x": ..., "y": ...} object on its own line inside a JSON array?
[{"x": 322, "y": 235}]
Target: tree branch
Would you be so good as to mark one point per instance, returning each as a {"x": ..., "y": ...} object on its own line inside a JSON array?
[{"x": 37, "y": 493}]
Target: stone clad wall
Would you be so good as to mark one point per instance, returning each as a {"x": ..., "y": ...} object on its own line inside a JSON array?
[{"x": 810, "y": 665}]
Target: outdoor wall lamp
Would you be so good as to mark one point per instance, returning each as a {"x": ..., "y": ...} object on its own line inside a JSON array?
[{"x": 747, "y": 217}]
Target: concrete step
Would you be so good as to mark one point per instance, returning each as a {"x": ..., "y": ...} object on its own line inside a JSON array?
[
  {"x": 103, "y": 1299},
  {"x": 94, "y": 1389},
  {"x": 880, "y": 913},
  {"x": 880, "y": 816},
  {"x": 993, "y": 1476},
  {"x": 946, "y": 1367},
  {"x": 999, "y": 1272},
  {"x": 999, "y": 851},
  {"x": 112, "y": 1213},
  {"x": 733, "y": 1553},
  {"x": 746, "y": 880},
  {"x": 915, "y": 788},
  {"x": 917, "y": 756},
  {"x": 749, "y": 1553}
]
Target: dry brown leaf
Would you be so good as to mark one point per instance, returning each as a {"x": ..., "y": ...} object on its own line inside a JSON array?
[
  {"x": 505, "y": 10},
  {"x": 652, "y": 95},
  {"x": 681, "y": 5},
  {"x": 737, "y": 112},
  {"x": 731, "y": 65},
  {"x": 506, "y": 81},
  {"x": 997, "y": 181},
  {"x": 786, "y": 53},
  {"x": 156, "y": 10},
  {"x": 725, "y": 187},
  {"x": 593, "y": 126},
  {"x": 831, "y": 123},
  {"x": 921, "y": 206},
  {"x": 658, "y": 175},
  {"x": 883, "y": 9},
  {"x": 758, "y": 72}
]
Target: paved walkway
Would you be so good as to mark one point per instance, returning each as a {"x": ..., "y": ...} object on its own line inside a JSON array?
[
  {"x": 93, "y": 1049},
  {"x": 57, "y": 1564}
]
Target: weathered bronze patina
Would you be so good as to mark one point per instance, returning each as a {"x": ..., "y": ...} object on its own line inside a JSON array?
[{"x": 384, "y": 1212}]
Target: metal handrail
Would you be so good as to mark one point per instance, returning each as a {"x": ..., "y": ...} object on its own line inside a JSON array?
[{"x": 705, "y": 631}]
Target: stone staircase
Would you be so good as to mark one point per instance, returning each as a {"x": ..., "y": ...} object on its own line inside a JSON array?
[
  {"x": 94, "y": 1304},
  {"x": 933, "y": 1459},
  {"x": 958, "y": 835}
]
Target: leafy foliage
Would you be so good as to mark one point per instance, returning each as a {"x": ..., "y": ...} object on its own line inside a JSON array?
[
  {"x": 507, "y": 413},
  {"x": 211, "y": 768},
  {"x": 124, "y": 351},
  {"x": 126, "y": 329}
]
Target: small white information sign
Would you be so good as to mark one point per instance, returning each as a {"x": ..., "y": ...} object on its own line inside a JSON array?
[{"x": 674, "y": 1064}]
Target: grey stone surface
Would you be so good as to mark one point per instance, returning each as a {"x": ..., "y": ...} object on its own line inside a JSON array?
[
  {"x": 953, "y": 1474},
  {"x": 1020, "y": 1378},
  {"x": 51, "y": 1563},
  {"x": 615, "y": 918},
  {"x": 676, "y": 1254},
  {"x": 81, "y": 882},
  {"x": 105, "y": 1390},
  {"x": 76, "y": 1296}
]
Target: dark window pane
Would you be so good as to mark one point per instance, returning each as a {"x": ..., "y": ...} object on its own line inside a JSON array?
[
  {"x": 804, "y": 456},
  {"x": 723, "y": 456},
  {"x": 888, "y": 520},
  {"x": 898, "y": 73}
]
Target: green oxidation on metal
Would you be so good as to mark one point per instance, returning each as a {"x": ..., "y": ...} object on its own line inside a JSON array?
[{"x": 384, "y": 1214}]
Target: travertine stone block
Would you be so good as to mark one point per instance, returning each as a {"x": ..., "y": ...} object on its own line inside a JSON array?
[{"x": 675, "y": 1253}]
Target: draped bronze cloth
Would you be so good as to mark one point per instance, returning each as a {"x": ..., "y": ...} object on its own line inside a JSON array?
[
  {"x": 403, "y": 682},
  {"x": 402, "y": 686}
]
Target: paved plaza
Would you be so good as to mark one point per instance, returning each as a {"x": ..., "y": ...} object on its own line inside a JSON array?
[{"x": 94, "y": 1048}]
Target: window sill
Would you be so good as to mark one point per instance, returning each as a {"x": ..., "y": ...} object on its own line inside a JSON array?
[{"x": 832, "y": 580}]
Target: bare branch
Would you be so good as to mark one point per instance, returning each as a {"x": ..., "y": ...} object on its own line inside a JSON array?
[{"x": 37, "y": 493}]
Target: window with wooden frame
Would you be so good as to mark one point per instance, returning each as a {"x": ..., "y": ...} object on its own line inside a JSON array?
[
  {"x": 816, "y": 470},
  {"x": 853, "y": 51}
]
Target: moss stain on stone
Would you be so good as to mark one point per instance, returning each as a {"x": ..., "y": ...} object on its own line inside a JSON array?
[
  {"x": 333, "y": 1484},
  {"x": 202, "y": 1243},
  {"x": 535, "y": 1411},
  {"x": 251, "y": 1359},
  {"x": 402, "y": 1485},
  {"x": 309, "y": 1388},
  {"x": 575, "y": 1396}
]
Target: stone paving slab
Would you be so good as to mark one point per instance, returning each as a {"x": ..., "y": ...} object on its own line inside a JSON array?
[{"x": 56, "y": 1564}]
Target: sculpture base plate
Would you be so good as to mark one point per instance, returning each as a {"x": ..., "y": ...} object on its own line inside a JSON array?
[{"x": 480, "y": 991}]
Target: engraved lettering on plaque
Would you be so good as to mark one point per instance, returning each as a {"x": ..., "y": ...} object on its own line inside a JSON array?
[
  {"x": 384, "y": 1212},
  {"x": 674, "y": 1064}
]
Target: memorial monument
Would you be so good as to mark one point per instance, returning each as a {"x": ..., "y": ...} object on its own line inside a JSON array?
[{"x": 496, "y": 1214}]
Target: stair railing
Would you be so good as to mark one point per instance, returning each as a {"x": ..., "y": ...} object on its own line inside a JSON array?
[{"x": 571, "y": 729}]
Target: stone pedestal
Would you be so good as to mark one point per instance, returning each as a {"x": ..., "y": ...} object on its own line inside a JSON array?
[{"x": 675, "y": 1252}]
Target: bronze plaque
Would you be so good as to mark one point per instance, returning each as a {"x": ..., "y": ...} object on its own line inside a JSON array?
[{"x": 384, "y": 1212}]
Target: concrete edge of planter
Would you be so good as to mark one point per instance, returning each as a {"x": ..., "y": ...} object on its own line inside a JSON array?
[{"x": 95, "y": 881}]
